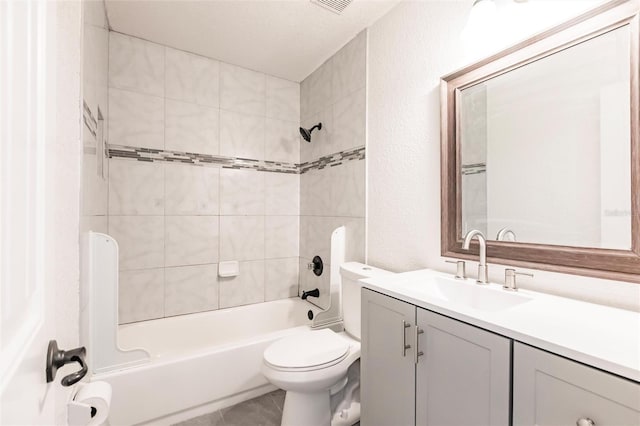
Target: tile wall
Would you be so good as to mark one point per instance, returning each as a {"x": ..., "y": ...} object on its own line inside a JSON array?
[
  {"x": 174, "y": 220},
  {"x": 95, "y": 111},
  {"x": 94, "y": 182},
  {"x": 332, "y": 195}
]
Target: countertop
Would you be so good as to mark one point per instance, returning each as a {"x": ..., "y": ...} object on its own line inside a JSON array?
[{"x": 600, "y": 336}]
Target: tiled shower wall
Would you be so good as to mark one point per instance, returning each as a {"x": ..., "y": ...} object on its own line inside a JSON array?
[
  {"x": 93, "y": 196},
  {"x": 94, "y": 130},
  {"x": 175, "y": 220},
  {"x": 333, "y": 195}
]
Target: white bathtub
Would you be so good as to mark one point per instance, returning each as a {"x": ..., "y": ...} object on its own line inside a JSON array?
[{"x": 199, "y": 362}]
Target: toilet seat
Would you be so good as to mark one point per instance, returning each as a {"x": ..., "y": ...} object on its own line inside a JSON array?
[{"x": 313, "y": 350}]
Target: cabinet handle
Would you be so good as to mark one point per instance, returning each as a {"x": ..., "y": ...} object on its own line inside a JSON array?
[
  {"x": 585, "y": 421},
  {"x": 417, "y": 352},
  {"x": 405, "y": 325}
]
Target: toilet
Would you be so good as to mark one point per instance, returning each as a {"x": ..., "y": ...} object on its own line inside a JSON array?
[{"x": 320, "y": 369}]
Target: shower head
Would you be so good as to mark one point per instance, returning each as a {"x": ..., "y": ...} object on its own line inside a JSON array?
[{"x": 306, "y": 133}]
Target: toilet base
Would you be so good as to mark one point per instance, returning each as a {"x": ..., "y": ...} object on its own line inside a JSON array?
[
  {"x": 338, "y": 406},
  {"x": 313, "y": 408}
]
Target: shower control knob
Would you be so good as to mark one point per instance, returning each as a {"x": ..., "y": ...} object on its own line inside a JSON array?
[
  {"x": 585, "y": 421},
  {"x": 316, "y": 265}
]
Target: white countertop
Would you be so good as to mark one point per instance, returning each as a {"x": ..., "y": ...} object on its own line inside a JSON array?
[{"x": 603, "y": 337}]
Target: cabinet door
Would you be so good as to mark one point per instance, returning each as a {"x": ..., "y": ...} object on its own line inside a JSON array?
[
  {"x": 463, "y": 377},
  {"x": 387, "y": 369},
  {"x": 551, "y": 390}
]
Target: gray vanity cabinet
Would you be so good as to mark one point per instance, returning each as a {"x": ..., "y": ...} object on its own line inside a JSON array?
[
  {"x": 388, "y": 374},
  {"x": 549, "y": 390},
  {"x": 461, "y": 378}
]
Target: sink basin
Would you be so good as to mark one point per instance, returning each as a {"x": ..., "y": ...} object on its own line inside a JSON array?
[{"x": 467, "y": 293}]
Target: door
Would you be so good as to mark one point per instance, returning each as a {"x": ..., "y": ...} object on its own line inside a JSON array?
[
  {"x": 387, "y": 368},
  {"x": 463, "y": 376},
  {"x": 549, "y": 390},
  {"x": 28, "y": 243}
]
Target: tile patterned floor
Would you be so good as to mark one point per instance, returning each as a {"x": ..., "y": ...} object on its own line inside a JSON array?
[{"x": 265, "y": 410}]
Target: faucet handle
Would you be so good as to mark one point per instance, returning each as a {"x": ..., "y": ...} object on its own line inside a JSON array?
[
  {"x": 510, "y": 279},
  {"x": 460, "y": 268}
]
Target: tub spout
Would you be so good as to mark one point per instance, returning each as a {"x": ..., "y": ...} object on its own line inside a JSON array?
[{"x": 315, "y": 293}]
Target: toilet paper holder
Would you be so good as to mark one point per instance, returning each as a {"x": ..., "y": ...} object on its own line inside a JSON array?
[{"x": 56, "y": 358}]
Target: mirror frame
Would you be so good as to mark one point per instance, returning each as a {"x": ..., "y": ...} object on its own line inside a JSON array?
[{"x": 622, "y": 265}]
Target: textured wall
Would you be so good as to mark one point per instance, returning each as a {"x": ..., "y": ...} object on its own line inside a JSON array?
[
  {"x": 410, "y": 48},
  {"x": 63, "y": 189}
]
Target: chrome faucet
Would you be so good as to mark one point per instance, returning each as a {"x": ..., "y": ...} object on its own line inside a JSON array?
[
  {"x": 504, "y": 233},
  {"x": 482, "y": 242},
  {"x": 510, "y": 279}
]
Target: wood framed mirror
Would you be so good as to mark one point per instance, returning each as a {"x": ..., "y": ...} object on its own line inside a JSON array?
[{"x": 540, "y": 149}]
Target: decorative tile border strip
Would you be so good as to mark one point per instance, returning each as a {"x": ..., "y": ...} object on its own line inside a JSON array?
[
  {"x": 152, "y": 155},
  {"x": 333, "y": 160},
  {"x": 473, "y": 169}
]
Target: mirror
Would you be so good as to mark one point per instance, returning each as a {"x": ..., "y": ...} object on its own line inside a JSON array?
[
  {"x": 552, "y": 175},
  {"x": 540, "y": 149}
]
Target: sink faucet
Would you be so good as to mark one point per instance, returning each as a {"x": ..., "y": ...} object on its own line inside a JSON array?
[
  {"x": 482, "y": 266},
  {"x": 504, "y": 233}
]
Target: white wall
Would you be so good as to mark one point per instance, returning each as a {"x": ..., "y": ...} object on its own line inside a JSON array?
[
  {"x": 63, "y": 189},
  {"x": 409, "y": 49}
]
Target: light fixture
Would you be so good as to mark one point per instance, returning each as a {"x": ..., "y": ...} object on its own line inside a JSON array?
[{"x": 481, "y": 19}]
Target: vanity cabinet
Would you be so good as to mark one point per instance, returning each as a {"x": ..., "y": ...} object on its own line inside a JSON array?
[
  {"x": 551, "y": 390},
  {"x": 422, "y": 368},
  {"x": 387, "y": 376},
  {"x": 463, "y": 377}
]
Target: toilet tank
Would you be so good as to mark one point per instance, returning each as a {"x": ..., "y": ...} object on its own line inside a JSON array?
[{"x": 350, "y": 273}]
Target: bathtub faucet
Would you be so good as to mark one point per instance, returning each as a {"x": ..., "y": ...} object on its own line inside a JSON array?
[{"x": 315, "y": 293}]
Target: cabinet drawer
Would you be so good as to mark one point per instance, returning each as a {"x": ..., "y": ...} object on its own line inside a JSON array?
[{"x": 551, "y": 390}]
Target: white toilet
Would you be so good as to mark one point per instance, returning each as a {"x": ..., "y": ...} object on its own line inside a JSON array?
[{"x": 319, "y": 369}]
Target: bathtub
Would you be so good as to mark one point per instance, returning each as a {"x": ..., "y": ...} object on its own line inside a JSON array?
[{"x": 199, "y": 362}]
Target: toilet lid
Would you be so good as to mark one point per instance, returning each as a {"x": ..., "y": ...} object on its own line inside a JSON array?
[{"x": 306, "y": 350}]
